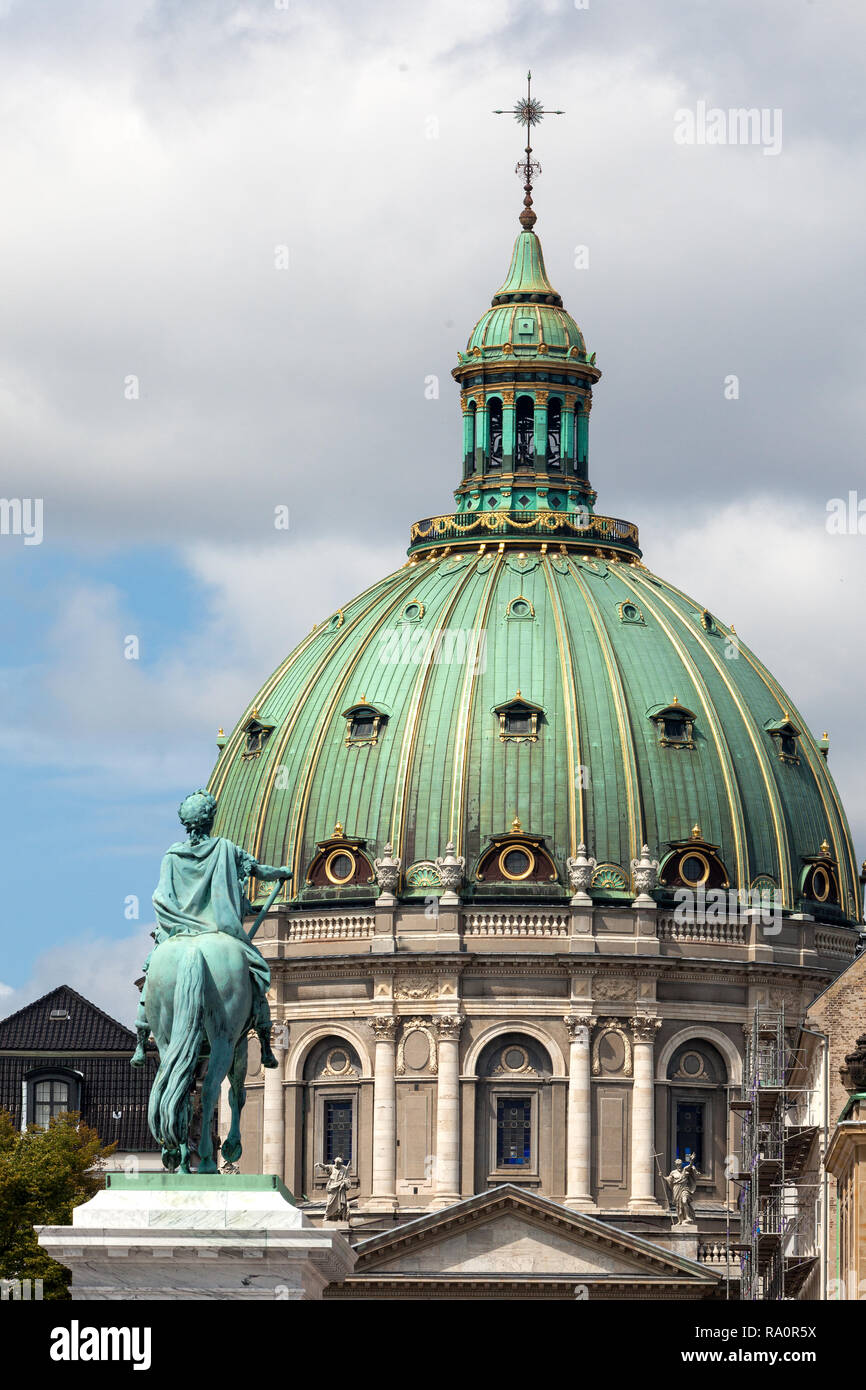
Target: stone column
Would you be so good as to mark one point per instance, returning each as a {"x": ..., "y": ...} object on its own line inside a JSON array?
[
  {"x": 448, "y": 1111},
  {"x": 578, "y": 1194},
  {"x": 642, "y": 1115},
  {"x": 274, "y": 1115},
  {"x": 384, "y": 1194}
]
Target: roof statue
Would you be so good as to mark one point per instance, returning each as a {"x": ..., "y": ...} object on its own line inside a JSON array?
[{"x": 205, "y": 985}]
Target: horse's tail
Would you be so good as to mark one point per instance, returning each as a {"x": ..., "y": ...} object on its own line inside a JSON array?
[{"x": 168, "y": 1109}]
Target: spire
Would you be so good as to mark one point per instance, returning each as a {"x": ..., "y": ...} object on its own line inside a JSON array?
[
  {"x": 528, "y": 111},
  {"x": 526, "y": 281}
]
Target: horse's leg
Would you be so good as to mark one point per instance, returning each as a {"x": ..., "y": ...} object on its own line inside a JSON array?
[
  {"x": 217, "y": 1067},
  {"x": 231, "y": 1149}
]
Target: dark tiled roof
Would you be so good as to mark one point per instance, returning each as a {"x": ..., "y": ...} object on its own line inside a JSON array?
[
  {"x": 113, "y": 1094},
  {"x": 86, "y": 1029}
]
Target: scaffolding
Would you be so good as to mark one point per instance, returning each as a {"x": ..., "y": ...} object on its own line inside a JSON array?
[{"x": 771, "y": 1164}]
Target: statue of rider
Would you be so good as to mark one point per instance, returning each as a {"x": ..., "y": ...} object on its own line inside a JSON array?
[{"x": 201, "y": 889}]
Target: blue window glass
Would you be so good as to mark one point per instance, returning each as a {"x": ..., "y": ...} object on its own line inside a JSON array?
[
  {"x": 338, "y": 1130},
  {"x": 690, "y": 1132},
  {"x": 513, "y": 1132}
]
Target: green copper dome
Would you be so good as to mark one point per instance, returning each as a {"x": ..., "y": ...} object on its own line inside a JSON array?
[
  {"x": 525, "y": 674},
  {"x": 599, "y": 647}
]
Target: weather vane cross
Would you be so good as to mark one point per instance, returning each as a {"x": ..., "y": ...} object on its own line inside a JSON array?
[{"x": 528, "y": 111}]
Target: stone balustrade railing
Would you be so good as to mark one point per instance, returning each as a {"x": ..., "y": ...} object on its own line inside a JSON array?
[
  {"x": 517, "y": 924},
  {"x": 834, "y": 943},
  {"x": 714, "y": 933},
  {"x": 349, "y": 926}
]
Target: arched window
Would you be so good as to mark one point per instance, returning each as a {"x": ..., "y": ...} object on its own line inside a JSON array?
[
  {"x": 525, "y": 432},
  {"x": 554, "y": 434},
  {"x": 697, "y": 1113},
  {"x": 495, "y": 418},
  {"x": 331, "y": 1072},
  {"x": 514, "y": 1070}
]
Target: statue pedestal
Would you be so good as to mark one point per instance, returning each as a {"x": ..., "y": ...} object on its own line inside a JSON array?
[
  {"x": 682, "y": 1240},
  {"x": 181, "y": 1236}
]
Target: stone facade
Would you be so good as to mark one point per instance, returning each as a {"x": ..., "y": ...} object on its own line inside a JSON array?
[{"x": 595, "y": 1029}]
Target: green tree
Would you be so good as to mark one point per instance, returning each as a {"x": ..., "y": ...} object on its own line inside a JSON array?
[{"x": 44, "y": 1173}]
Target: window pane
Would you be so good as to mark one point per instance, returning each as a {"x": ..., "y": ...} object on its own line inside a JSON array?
[
  {"x": 690, "y": 1131},
  {"x": 514, "y": 1132},
  {"x": 338, "y": 1130},
  {"x": 49, "y": 1098},
  {"x": 363, "y": 727}
]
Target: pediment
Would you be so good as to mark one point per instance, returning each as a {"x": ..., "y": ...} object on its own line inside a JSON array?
[{"x": 507, "y": 1233}]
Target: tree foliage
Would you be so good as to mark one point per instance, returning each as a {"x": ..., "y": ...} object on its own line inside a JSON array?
[{"x": 44, "y": 1173}]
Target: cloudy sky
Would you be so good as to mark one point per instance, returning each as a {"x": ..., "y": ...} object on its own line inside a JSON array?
[{"x": 238, "y": 239}]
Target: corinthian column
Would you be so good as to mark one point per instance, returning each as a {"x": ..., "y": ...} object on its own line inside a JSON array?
[
  {"x": 642, "y": 1127},
  {"x": 384, "y": 1194},
  {"x": 448, "y": 1111},
  {"x": 579, "y": 1131},
  {"x": 274, "y": 1116}
]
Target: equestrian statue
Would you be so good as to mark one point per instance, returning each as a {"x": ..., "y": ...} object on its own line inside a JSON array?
[{"x": 205, "y": 986}]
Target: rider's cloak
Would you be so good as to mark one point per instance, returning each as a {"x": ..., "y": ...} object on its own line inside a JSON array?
[{"x": 201, "y": 889}]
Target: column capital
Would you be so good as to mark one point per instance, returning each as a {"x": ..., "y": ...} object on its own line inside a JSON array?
[
  {"x": 449, "y": 1027},
  {"x": 579, "y": 1026},
  {"x": 645, "y": 1028},
  {"x": 384, "y": 1027}
]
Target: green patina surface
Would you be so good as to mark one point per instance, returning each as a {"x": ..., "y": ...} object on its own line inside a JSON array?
[
  {"x": 598, "y": 772},
  {"x": 440, "y": 771}
]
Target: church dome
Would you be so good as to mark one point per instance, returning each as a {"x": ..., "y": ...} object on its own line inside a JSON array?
[
  {"x": 575, "y": 691},
  {"x": 525, "y": 683}
]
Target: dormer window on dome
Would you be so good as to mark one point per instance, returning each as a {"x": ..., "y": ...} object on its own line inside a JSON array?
[
  {"x": 693, "y": 863},
  {"x": 819, "y": 881},
  {"x": 674, "y": 723},
  {"x": 256, "y": 736},
  {"x": 516, "y": 857},
  {"x": 520, "y": 609},
  {"x": 340, "y": 862},
  {"x": 364, "y": 722},
  {"x": 630, "y": 613},
  {"x": 785, "y": 734},
  {"x": 518, "y": 720}
]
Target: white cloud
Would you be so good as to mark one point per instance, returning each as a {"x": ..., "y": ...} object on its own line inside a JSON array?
[{"x": 103, "y": 969}]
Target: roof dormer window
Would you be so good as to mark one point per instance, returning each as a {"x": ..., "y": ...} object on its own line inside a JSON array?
[
  {"x": 518, "y": 720},
  {"x": 674, "y": 723},
  {"x": 786, "y": 735},
  {"x": 256, "y": 736},
  {"x": 364, "y": 723}
]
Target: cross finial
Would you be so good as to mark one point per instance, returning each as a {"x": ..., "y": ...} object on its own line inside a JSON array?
[{"x": 528, "y": 111}]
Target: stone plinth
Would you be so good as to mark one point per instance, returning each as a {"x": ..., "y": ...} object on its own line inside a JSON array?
[{"x": 176, "y": 1236}]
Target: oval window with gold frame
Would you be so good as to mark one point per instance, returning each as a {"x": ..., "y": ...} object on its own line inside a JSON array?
[
  {"x": 820, "y": 884},
  {"x": 340, "y": 866},
  {"x": 694, "y": 869},
  {"x": 516, "y": 862}
]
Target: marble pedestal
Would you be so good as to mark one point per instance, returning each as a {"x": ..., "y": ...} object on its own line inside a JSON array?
[{"x": 176, "y": 1236}]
